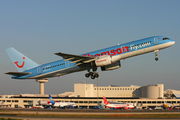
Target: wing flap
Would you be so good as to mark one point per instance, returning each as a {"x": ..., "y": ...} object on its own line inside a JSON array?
[
  {"x": 76, "y": 58},
  {"x": 18, "y": 73}
]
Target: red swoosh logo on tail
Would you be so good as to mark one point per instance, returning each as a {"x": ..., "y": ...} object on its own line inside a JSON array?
[{"x": 19, "y": 66}]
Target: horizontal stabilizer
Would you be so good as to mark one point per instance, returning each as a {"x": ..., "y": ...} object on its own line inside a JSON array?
[{"x": 18, "y": 73}]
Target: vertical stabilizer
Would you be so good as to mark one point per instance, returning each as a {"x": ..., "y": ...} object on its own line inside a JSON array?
[
  {"x": 105, "y": 101},
  {"x": 51, "y": 100},
  {"x": 21, "y": 62}
]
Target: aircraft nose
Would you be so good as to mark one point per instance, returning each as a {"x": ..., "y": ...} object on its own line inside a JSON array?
[{"x": 172, "y": 42}]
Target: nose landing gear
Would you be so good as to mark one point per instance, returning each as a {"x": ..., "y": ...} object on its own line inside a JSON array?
[
  {"x": 156, "y": 51},
  {"x": 156, "y": 58}
]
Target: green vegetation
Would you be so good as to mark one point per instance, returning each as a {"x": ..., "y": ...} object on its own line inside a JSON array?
[
  {"x": 9, "y": 119},
  {"x": 98, "y": 116}
]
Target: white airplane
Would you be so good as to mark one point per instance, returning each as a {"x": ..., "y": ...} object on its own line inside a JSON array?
[
  {"x": 60, "y": 104},
  {"x": 117, "y": 105}
]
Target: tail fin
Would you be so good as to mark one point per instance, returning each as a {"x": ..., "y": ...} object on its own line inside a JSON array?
[
  {"x": 21, "y": 62},
  {"x": 105, "y": 101},
  {"x": 51, "y": 100}
]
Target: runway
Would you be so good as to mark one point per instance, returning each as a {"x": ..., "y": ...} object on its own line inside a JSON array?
[
  {"x": 41, "y": 114},
  {"x": 53, "y": 118},
  {"x": 84, "y": 111}
]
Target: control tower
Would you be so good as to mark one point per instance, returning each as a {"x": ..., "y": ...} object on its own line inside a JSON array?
[{"x": 41, "y": 85}]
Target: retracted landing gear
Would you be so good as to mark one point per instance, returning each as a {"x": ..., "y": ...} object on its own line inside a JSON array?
[
  {"x": 93, "y": 75},
  {"x": 156, "y": 51}
]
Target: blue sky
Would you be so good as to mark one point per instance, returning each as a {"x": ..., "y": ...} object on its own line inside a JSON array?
[{"x": 39, "y": 28}]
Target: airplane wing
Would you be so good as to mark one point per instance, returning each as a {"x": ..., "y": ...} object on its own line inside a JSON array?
[
  {"x": 76, "y": 58},
  {"x": 18, "y": 73}
]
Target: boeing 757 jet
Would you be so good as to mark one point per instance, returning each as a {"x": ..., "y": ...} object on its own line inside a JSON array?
[{"x": 106, "y": 59}]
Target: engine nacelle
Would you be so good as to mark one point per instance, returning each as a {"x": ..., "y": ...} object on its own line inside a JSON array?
[
  {"x": 103, "y": 61},
  {"x": 113, "y": 66}
]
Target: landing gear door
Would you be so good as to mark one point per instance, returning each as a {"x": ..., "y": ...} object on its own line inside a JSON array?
[
  {"x": 38, "y": 70},
  {"x": 155, "y": 41}
]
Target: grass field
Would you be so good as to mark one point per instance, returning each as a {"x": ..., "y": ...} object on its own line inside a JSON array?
[{"x": 98, "y": 116}]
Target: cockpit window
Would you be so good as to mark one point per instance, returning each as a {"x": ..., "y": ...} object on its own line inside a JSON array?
[{"x": 165, "y": 38}]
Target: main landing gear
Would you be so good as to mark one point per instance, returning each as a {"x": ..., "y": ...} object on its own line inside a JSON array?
[
  {"x": 93, "y": 75},
  {"x": 156, "y": 51}
]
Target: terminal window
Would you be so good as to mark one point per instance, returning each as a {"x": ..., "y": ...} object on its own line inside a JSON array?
[{"x": 30, "y": 101}]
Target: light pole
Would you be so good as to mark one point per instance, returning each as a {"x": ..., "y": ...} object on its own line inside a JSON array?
[{"x": 97, "y": 91}]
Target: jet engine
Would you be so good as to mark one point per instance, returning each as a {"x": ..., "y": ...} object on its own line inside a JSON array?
[
  {"x": 113, "y": 66},
  {"x": 103, "y": 60}
]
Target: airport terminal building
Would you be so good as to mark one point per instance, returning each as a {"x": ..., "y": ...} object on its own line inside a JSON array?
[
  {"x": 90, "y": 90},
  {"x": 89, "y": 96}
]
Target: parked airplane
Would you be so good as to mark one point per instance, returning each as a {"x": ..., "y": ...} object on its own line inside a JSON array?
[
  {"x": 60, "y": 104},
  {"x": 117, "y": 105},
  {"x": 166, "y": 105},
  {"x": 107, "y": 59}
]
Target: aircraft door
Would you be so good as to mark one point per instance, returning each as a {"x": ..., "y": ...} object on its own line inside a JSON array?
[
  {"x": 67, "y": 64},
  {"x": 38, "y": 70},
  {"x": 155, "y": 41}
]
